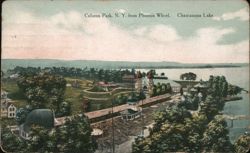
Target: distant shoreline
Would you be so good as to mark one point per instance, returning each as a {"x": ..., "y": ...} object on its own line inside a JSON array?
[
  {"x": 12, "y": 63},
  {"x": 198, "y": 67}
]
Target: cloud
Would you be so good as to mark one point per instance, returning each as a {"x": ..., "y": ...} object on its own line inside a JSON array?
[
  {"x": 70, "y": 36},
  {"x": 242, "y": 14},
  {"x": 163, "y": 33}
]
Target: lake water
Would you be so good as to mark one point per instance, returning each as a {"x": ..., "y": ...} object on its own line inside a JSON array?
[{"x": 237, "y": 76}]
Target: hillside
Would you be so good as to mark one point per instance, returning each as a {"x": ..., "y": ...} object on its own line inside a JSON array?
[{"x": 11, "y": 63}]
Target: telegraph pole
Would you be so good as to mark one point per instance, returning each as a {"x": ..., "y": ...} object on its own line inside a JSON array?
[
  {"x": 142, "y": 118},
  {"x": 113, "y": 134}
]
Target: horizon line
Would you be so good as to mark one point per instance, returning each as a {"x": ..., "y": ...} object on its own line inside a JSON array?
[{"x": 116, "y": 60}]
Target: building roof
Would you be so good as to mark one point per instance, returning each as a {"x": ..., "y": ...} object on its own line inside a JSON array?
[
  {"x": 128, "y": 76},
  {"x": 129, "y": 112},
  {"x": 6, "y": 104},
  {"x": 200, "y": 85},
  {"x": 106, "y": 84},
  {"x": 40, "y": 117},
  {"x": 160, "y": 77},
  {"x": 9, "y": 104},
  {"x": 171, "y": 82},
  {"x": 145, "y": 81}
]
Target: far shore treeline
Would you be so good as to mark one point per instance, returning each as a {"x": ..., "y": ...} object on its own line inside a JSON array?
[{"x": 12, "y": 63}]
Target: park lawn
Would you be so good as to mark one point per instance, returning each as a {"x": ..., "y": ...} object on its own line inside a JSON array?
[
  {"x": 84, "y": 84},
  {"x": 14, "y": 93},
  {"x": 73, "y": 95}
]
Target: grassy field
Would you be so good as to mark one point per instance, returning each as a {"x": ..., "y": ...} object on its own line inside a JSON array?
[
  {"x": 13, "y": 93},
  {"x": 72, "y": 95},
  {"x": 83, "y": 83},
  {"x": 75, "y": 95}
]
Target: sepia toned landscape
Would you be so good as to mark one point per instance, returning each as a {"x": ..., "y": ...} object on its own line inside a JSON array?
[{"x": 117, "y": 77}]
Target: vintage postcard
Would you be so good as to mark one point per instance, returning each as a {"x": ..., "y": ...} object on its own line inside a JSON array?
[{"x": 112, "y": 76}]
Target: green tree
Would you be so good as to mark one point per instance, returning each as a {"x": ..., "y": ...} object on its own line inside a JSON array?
[
  {"x": 168, "y": 134},
  {"x": 188, "y": 76},
  {"x": 234, "y": 90},
  {"x": 225, "y": 89},
  {"x": 42, "y": 140},
  {"x": 44, "y": 90},
  {"x": 36, "y": 97},
  {"x": 64, "y": 109},
  {"x": 209, "y": 108},
  {"x": 76, "y": 135},
  {"x": 10, "y": 141},
  {"x": 85, "y": 104},
  {"x": 73, "y": 136},
  {"x": 215, "y": 137},
  {"x": 21, "y": 115},
  {"x": 168, "y": 88},
  {"x": 242, "y": 144}
]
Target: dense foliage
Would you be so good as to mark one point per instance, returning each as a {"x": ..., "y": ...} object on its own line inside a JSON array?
[
  {"x": 11, "y": 142},
  {"x": 73, "y": 136},
  {"x": 43, "y": 90},
  {"x": 175, "y": 129},
  {"x": 215, "y": 138},
  {"x": 219, "y": 87},
  {"x": 22, "y": 113},
  {"x": 88, "y": 73},
  {"x": 160, "y": 89},
  {"x": 188, "y": 76},
  {"x": 242, "y": 144}
]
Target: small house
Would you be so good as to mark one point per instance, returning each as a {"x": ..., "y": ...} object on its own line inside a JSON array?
[
  {"x": 14, "y": 76},
  {"x": 11, "y": 110},
  {"x": 4, "y": 94},
  {"x": 8, "y": 109},
  {"x": 131, "y": 113},
  {"x": 128, "y": 78}
]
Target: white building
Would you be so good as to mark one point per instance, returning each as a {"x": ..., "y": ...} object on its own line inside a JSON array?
[
  {"x": 144, "y": 83},
  {"x": 131, "y": 113},
  {"x": 8, "y": 109},
  {"x": 138, "y": 84},
  {"x": 11, "y": 110},
  {"x": 14, "y": 76}
]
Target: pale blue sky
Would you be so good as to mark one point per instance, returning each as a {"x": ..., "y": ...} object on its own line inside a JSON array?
[{"x": 38, "y": 27}]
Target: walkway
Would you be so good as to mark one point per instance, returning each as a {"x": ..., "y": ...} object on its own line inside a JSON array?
[
  {"x": 116, "y": 109},
  {"x": 237, "y": 117}
]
